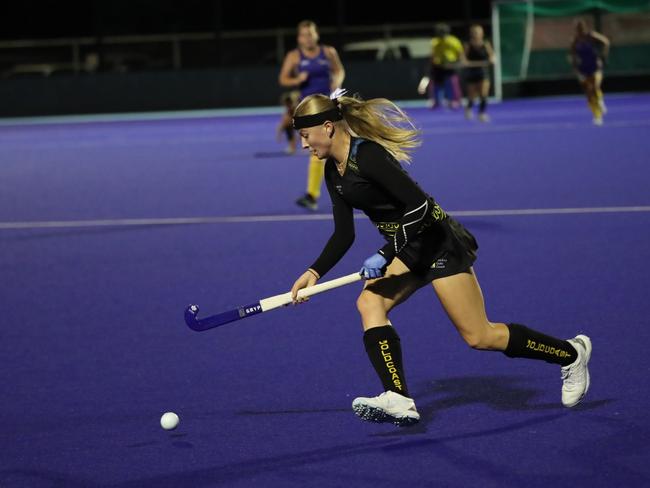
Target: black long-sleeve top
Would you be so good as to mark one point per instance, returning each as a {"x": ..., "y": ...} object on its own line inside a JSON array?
[{"x": 375, "y": 183}]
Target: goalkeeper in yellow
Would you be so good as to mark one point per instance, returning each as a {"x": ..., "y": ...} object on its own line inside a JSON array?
[{"x": 447, "y": 54}]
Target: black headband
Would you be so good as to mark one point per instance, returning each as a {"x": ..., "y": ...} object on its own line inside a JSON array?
[{"x": 304, "y": 121}]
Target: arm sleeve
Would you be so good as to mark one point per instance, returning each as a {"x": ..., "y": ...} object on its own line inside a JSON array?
[
  {"x": 381, "y": 168},
  {"x": 343, "y": 236}
]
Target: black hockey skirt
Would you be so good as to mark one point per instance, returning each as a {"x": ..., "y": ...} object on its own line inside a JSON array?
[{"x": 444, "y": 249}]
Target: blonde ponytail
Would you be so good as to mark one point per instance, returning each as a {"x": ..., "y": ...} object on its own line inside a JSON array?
[
  {"x": 378, "y": 120},
  {"x": 383, "y": 122}
]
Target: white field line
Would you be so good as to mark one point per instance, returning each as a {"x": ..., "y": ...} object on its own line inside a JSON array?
[
  {"x": 485, "y": 128},
  {"x": 62, "y": 224}
]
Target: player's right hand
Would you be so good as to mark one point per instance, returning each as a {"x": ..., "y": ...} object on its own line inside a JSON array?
[{"x": 308, "y": 278}]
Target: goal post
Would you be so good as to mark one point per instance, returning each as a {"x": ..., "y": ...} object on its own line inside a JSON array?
[{"x": 532, "y": 37}]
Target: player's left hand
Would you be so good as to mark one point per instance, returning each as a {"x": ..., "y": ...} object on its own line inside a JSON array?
[
  {"x": 308, "y": 278},
  {"x": 374, "y": 267}
]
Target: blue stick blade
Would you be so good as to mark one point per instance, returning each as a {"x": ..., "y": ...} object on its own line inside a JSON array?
[{"x": 199, "y": 325}]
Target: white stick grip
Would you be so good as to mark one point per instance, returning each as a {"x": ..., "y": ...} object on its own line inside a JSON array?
[{"x": 285, "y": 298}]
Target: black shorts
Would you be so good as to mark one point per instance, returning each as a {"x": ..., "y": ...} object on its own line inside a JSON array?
[
  {"x": 476, "y": 75},
  {"x": 439, "y": 74},
  {"x": 444, "y": 249}
]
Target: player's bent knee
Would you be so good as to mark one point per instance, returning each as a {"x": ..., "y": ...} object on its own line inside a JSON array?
[
  {"x": 478, "y": 340},
  {"x": 369, "y": 303},
  {"x": 474, "y": 341}
]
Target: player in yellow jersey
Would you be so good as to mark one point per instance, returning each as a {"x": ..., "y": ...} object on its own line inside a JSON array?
[{"x": 447, "y": 53}]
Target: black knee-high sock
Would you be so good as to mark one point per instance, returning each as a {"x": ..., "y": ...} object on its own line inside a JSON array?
[
  {"x": 528, "y": 343},
  {"x": 385, "y": 353},
  {"x": 470, "y": 103},
  {"x": 483, "y": 105}
]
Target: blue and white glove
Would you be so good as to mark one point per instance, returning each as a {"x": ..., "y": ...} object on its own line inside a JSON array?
[{"x": 374, "y": 267}]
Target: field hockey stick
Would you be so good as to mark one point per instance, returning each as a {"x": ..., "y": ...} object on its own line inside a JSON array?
[
  {"x": 264, "y": 305},
  {"x": 423, "y": 85}
]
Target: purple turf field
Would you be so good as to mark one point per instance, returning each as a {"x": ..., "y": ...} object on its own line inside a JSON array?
[{"x": 108, "y": 229}]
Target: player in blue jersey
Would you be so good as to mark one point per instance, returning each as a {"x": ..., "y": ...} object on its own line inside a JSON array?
[
  {"x": 587, "y": 55},
  {"x": 311, "y": 68}
]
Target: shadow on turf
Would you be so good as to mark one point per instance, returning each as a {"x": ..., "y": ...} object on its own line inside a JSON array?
[
  {"x": 291, "y": 411},
  {"x": 40, "y": 477},
  {"x": 225, "y": 473},
  {"x": 278, "y": 465},
  {"x": 502, "y": 393},
  {"x": 174, "y": 437}
]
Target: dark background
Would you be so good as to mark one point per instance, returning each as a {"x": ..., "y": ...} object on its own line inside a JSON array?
[
  {"x": 79, "y": 57},
  {"x": 52, "y": 19}
]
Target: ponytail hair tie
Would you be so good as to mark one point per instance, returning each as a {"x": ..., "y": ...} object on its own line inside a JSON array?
[
  {"x": 338, "y": 93},
  {"x": 333, "y": 114}
]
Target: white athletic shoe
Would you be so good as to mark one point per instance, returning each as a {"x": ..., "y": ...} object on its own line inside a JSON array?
[
  {"x": 469, "y": 115},
  {"x": 598, "y": 121},
  {"x": 387, "y": 407},
  {"x": 483, "y": 117},
  {"x": 575, "y": 376},
  {"x": 603, "y": 107}
]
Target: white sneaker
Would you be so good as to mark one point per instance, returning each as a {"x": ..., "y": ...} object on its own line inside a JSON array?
[
  {"x": 603, "y": 107},
  {"x": 483, "y": 117},
  {"x": 598, "y": 121},
  {"x": 576, "y": 375},
  {"x": 469, "y": 115},
  {"x": 387, "y": 407}
]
